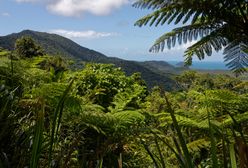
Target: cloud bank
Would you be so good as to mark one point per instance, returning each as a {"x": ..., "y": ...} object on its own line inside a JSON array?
[
  {"x": 79, "y": 7},
  {"x": 89, "y": 34}
]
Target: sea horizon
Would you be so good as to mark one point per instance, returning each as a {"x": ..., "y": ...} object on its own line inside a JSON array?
[{"x": 204, "y": 65}]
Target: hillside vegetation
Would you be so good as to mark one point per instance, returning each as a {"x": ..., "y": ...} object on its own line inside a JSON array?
[
  {"x": 54, "y": 116},
  {"x": 152, "y": 72}
]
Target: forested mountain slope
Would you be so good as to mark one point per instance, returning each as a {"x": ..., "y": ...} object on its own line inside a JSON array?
[{"x": 153, "y": 72}]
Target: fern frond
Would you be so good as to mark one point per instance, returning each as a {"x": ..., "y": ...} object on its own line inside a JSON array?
[
  {"x": 179, "y": 10},
  {"x": 185, "y": 122},
  {"x": 184, "y": 34},
  {"x": 97, "y": 120},
  {"x": 205, "y": 46},
  {"x": 128, "y": 99},
  {"x": 220, "y": 13},
  {"x": 151, "y": 4},
  {"x": 197, "y": 145},
  {"x": 225, "y": 101},
  {"x": 236, "y": 56},
  {"x": 166, "y": 11},
  {"x": 126, "y": 119},
  {"x": 239, "y": 118},
  {"x": 51, "y": 91},
  {"x": 151, "y": 18}
]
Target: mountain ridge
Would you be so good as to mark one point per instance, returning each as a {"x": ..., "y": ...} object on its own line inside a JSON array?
[{"x": 153, "y": 72}]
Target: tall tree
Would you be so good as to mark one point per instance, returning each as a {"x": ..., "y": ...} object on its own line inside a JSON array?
[
  {"x": 220, "y": 24},
  {"x": 26, "y": 47}
]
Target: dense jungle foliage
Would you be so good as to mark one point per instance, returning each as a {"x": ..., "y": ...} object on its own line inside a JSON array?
[{"x": 52, "y": 116}]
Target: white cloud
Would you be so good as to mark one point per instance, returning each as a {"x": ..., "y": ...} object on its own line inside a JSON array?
[
  {"x": 78, "y": 7},
  {"x": 89, "y": 34},
  {"x": 6, "y": 14}
]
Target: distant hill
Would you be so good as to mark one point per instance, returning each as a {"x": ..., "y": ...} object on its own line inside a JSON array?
[
  {"x": 163, "y": 67},
  {"x": 54, "y": 44},
  {"x": 153, "y": 72}
]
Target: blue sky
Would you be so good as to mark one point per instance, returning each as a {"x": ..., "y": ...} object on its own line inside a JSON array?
[{"x": 103, "y": 25}]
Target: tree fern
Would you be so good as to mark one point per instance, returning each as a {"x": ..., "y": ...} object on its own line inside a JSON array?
[
  {"x": 126, "y": 119},
  {"x": 129, "y": 98},
  {"x": 219, "y": 24},
  {"x": 197, "y": 145},
  {"x": 236, "y": 56}
]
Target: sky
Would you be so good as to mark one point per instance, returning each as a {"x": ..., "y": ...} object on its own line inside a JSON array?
[{"x": 106, "y": 26}]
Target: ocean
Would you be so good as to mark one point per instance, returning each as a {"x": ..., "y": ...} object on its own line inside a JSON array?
[{"x": 204, "y": 65}]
